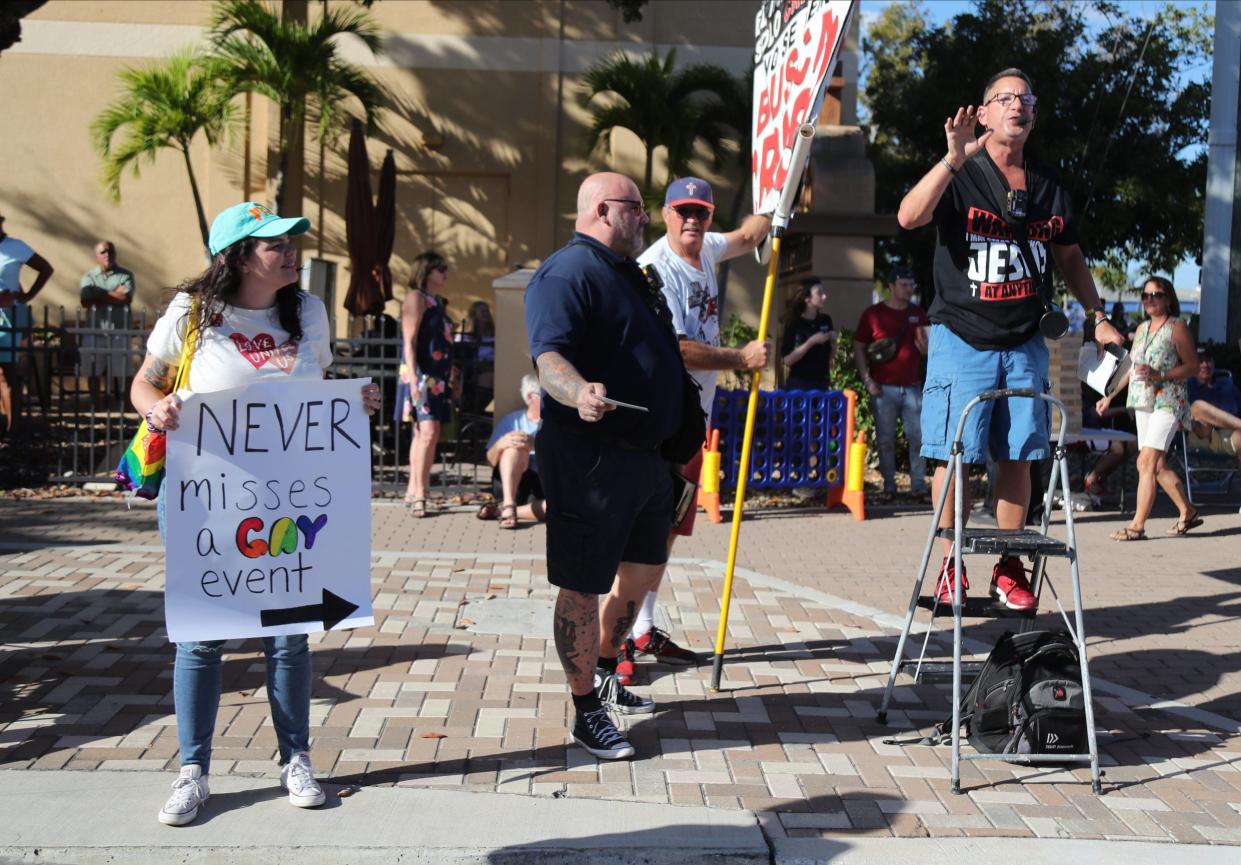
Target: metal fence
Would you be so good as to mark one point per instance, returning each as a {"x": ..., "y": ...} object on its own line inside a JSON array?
[{"x": 71, "y": 369}]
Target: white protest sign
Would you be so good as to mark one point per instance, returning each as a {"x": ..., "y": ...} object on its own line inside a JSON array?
[
  {"x": 796, "y": 44},
  {"x": 268, "y": 512}
]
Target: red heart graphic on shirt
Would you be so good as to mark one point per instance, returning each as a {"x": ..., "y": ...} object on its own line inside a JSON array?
[{"x": 263, "y": 348}]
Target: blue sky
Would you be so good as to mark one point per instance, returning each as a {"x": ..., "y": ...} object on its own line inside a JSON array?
[{"x": 1186, "y": 275}]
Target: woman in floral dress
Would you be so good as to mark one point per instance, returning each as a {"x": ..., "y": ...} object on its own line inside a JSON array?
[
  {"x": 424, "y": 393},
  {"x": 1164, "y": 357}
]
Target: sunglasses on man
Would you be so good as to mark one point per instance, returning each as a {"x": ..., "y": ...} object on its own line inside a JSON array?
[{"x": 693, "y": 211}]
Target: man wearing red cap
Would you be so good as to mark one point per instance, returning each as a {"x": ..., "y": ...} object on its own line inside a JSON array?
[{"x": 686, "y": 258}]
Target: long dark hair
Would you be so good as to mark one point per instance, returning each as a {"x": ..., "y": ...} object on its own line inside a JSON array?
[
  {"x": 217, "y": 287},
  {"x": 424, "y": 264},
  {"x": 797, "y": 304},
  {"x": 1169, "y": 294}
]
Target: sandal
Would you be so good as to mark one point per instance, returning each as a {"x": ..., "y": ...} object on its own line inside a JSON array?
[
  {"x": 1128, "y": 534},
  {"x": 1180, "y": 527},
  {"x": 508, "y": 516},
  {"x": 418, "y": 508},
  {"x": 488, "y": 511}
]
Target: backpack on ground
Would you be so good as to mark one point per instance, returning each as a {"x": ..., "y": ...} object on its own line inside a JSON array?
[{"x": 1028, "y": 698}]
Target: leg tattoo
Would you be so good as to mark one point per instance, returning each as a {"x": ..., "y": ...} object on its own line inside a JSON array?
[
  {"x": 566, "y": 635},
  {"x": 624, "y": 623}
]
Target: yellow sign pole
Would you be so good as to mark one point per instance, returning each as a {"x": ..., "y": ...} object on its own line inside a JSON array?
[{"x": 743, "y": 471}]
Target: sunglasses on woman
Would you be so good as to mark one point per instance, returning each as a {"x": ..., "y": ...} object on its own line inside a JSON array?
[{"x": 1153, "y": 295}]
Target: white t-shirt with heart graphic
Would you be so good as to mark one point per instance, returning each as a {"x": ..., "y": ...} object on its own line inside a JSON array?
[{"x": 244, "y": 345}]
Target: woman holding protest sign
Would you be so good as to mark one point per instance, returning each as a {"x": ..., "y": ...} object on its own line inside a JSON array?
[
  {"x": 244, "y": 319},
  {"x": 427, "y": 375}
]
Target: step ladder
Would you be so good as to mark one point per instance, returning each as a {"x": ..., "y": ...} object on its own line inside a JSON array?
[{"x": 1036, "y": 545}]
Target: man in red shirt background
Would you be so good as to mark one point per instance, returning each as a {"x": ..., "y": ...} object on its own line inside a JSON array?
[{"x": 895, "y": 328}]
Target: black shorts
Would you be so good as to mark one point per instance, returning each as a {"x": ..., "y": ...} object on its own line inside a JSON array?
[
  {"x": 605, "y": 505},
  {"x": 528, "y": 487}
]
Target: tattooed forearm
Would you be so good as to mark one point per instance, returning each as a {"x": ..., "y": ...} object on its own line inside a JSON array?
[
  {"x": 558, "y": 377},
  {"x": 566, "y": 635},
  {"x": 160, "y": 375},
  {"x": 624, "y": 623}
]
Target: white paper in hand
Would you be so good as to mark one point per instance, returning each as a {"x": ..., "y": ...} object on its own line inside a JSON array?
[{"x": 1104, "y": 373}]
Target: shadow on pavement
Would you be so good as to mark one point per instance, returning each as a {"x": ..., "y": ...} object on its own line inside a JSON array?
[{"x": 90, "y": 662}]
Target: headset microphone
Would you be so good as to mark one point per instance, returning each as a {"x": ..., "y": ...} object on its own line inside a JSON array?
[{"x": 1022, "y": 121}]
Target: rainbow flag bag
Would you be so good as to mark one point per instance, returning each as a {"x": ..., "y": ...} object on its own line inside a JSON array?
[{"x": 141, "y": 469}]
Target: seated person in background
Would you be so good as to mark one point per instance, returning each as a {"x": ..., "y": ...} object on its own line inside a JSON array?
[
  {"x": 515, "y": 478},
  {"x": 1215, "y": 410}
]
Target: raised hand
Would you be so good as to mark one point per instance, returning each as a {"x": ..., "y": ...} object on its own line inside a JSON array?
[{"x": 959, "y": 130}]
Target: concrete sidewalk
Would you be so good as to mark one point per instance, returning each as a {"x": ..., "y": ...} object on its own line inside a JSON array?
[
  {"x": 248, "y": 822},
  {"x": 454, "y": 694}
]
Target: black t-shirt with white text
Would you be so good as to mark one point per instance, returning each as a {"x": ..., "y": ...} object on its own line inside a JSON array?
[{"x": 983, "y": 291}]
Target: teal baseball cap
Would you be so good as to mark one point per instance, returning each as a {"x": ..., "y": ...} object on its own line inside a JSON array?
[{"x": 251, "y": 219}]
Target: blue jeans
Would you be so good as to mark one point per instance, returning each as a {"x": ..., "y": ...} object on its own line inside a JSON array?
[
  {"x": 197, "y": 683},
  {"x": 906, "y": 401}
]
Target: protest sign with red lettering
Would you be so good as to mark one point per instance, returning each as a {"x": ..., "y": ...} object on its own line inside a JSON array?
[
  {"x": 796, "y": 45},
  {"x": 268, "y": 512}
]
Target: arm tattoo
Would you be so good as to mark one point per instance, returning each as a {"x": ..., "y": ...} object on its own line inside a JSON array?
[
  {"x": 559, "y": 378},
  {"x": 624, "y": 623},
  {"x": 566, "y": 634},
  {"x": 160, "y": 375}
]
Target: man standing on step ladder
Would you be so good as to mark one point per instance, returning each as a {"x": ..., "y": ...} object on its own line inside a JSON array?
[{"x": 985, "y": 315}]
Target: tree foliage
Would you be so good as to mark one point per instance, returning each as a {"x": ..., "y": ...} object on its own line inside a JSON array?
[
  {"x": 664, "y": 107},
  {"x": 1116, "y": 114},
  {"x": 164, "y": 105},
  {"x": 298, "y": 66}
]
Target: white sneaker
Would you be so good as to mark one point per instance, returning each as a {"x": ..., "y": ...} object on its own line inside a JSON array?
[
  {"x": 299, "y": 779},
  {"x": 189, "y": 793}
]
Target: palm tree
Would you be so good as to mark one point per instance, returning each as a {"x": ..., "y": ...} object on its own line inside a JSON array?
[
  {"x": 164, "y": 105},
  {"x": 663, "y": 107},
  {"x": 297, "y": 66}
]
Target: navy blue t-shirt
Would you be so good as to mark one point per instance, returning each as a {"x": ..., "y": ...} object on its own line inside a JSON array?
[
  {"x": 590, "y": 305},
  {"x": 1221, "y": 393}
]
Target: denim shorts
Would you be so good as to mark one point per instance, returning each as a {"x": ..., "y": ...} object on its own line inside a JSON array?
[{"x": 1010, "y": 429}]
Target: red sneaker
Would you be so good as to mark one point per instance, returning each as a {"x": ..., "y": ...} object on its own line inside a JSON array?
[
  {"x": 946, "y": 573},
  {"x": 658, "y": 643},
  {"x": 1010, "y": 587},
  {"x": 625, "y": 663}
]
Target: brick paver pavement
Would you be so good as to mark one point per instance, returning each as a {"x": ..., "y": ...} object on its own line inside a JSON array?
[{"x": 425, "y": 698}]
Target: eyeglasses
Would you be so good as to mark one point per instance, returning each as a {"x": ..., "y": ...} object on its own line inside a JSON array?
[
  {"x": 1153, "y": 295},
  {"x": 440, "y": 268},
  {"x": 634, "y": 204},
  {"x": 1029, "y": 100},
  {"x": 693, "y": 211}
]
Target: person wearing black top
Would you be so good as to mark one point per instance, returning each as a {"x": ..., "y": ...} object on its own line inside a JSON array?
[
  {"x": 988, "y": 302},
  {"x": 809, "y": 346},
  {"x": 598, "y": 332}
]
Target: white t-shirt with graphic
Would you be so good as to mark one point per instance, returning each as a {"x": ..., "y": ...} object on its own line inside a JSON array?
[
  {"x": 693, "y": 298},
  {"x": 243, "y": 346}
]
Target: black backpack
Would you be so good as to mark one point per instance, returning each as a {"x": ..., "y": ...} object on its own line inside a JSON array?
[{"x": 1028, "y": 698}]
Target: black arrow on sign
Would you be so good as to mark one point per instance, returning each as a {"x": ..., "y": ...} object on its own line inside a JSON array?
[{"x": 331, "y": 612}]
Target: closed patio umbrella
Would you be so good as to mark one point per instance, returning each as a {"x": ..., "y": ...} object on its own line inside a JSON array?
[
  {"x": 364, "y": 295},
  {"x": 385, "y": 224}
]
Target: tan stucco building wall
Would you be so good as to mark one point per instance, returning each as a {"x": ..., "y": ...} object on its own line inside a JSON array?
[{"x": 488, "y": 134}]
